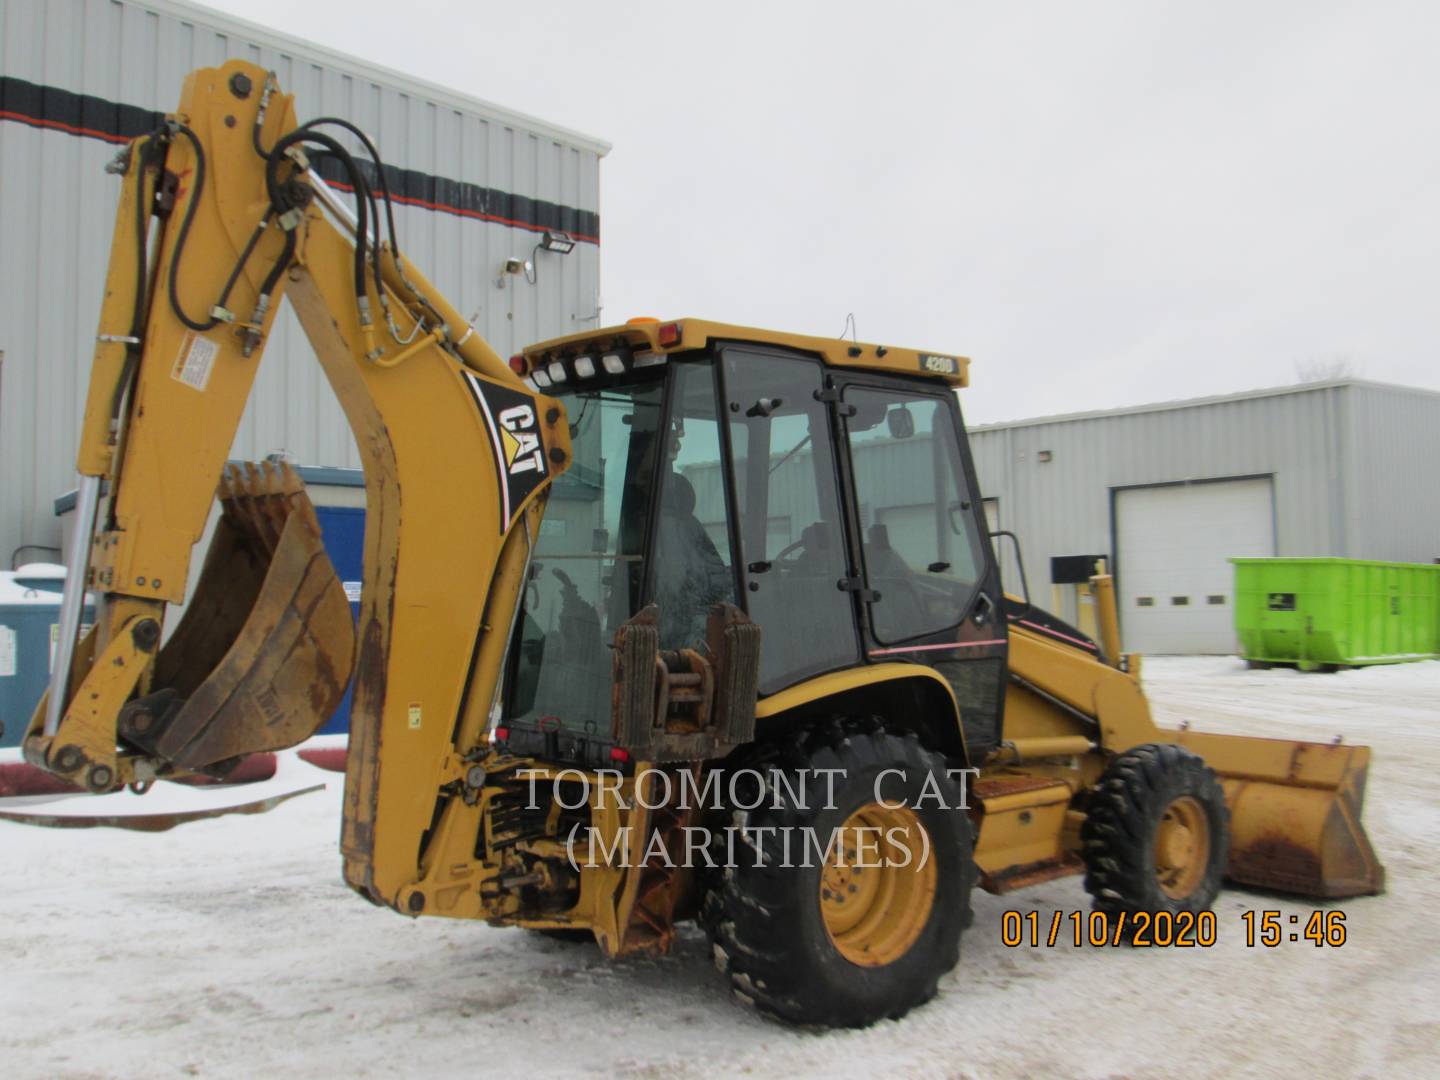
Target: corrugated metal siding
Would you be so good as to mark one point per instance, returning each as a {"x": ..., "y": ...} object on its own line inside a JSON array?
[
  {"x": 1063, "y": 507},
  {"x": 1394, "y": 512},
  {"x": 57, "y": 211},
  {"x": 903, "y": 468}
]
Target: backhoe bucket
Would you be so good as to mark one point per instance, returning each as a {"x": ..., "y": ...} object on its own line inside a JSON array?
[
  {"x": 1294, "y": 814},
  {"x": 265, "y": 649}
]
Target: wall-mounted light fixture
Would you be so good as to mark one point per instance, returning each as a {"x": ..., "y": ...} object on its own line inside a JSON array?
[{"x": 552, "y": 240}]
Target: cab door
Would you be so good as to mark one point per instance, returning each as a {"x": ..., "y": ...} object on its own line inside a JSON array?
[
  {"x": 789, "y": 514},
  {"x": 931, "y": 586}
]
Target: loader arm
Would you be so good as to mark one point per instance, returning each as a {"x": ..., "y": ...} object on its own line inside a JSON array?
[
  {"x": 458, "y": 456},
  {"x": 1295, "y": 807}
]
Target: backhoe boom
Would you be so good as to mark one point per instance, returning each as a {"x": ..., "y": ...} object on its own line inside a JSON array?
[{"x": 267, "y": 646}]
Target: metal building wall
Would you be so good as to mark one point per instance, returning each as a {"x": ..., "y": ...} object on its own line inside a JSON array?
[
  {"x": 1394, "y": 511},
  {"x": 496, "y": 177},
  {"x": 1064, "y": 506}
]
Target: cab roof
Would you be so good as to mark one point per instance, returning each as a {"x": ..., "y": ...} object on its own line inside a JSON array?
[{"x": 681, "y": 335}]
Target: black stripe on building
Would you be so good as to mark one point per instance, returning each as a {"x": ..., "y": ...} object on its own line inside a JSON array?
[{"x": 48, "y": 107}]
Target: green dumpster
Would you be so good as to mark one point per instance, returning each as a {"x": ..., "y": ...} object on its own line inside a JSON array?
[{"x": 1323, "y": 613}]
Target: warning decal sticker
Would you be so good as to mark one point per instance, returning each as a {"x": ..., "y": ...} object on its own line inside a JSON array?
[{"x": 195, "y": 362}]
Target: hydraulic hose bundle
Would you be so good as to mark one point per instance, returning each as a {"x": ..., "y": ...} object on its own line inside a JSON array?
[{"x": 288, "y": 199}]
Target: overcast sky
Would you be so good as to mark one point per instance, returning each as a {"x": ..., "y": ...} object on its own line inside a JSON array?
[{"x": 1102, "y": 204}]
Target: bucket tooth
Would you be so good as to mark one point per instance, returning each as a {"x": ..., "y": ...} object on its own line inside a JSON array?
[{"x": 266, "y": 648}]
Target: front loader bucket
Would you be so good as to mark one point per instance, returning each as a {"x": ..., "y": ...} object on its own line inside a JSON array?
[
  {"x": 265, "y": 649},
  {"x": 1294, "y": 814}
]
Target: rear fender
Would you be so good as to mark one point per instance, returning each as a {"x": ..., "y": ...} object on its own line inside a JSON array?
[{"x": 909, "y": 696}]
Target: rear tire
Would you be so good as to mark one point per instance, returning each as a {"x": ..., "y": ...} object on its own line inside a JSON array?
[
  {"x": 824, "y": 944},
  {"x": 1157, "y": 833}
]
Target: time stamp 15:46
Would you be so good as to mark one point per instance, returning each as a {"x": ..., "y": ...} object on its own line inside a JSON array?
[{"x": 1264, "y": 929}]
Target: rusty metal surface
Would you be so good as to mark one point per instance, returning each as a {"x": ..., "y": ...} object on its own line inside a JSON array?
[
  {"x": 24, "y": 779},
  {"x": 650, "y": 928},
  {"x": 1307, "y": 841},
  {"x": 994, "y": 785},
  {"x": 264, "y": 655},
  {"x": 1295, "y": 813},
  {"x": 685, "y": 705},
  {"x": 1014, "y": 878},
  {"x": 161, "y": 822}
]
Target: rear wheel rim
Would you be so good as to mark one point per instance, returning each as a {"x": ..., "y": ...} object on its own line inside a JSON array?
[
  {"x": 1182, "y": 847},
  {"x": 878, "y": 885}
]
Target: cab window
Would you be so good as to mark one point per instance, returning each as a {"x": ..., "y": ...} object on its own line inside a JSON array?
[
  {"x": 691, "y": 558},
  {"x": 789, "y": 515},
  {"x": 919, "y": 537}
]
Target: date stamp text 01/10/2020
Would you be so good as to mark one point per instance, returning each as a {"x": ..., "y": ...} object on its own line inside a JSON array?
[{"x": 1163, "y": 929}]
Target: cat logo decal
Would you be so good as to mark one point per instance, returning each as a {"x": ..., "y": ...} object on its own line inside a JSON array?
[{"x": 515, "y": 437}]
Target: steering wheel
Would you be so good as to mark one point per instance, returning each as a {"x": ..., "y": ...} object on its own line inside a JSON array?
[{"x": 780, "y": 555}]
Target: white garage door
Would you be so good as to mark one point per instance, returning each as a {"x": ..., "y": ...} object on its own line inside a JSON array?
[{"x": 1173, "y": 545}]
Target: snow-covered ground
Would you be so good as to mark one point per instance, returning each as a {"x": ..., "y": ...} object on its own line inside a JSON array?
[{"x": 230, "y": 947}]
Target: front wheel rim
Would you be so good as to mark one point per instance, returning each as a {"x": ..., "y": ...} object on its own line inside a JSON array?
[{"x": 1182, "y": 847}]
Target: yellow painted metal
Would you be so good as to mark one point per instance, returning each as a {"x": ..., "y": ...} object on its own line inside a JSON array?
[
  {"x": 1103, "y": 585},
  {"x": 442, "y": 568},
  {"x": 191, "y": 386},
  {"x": 82, "y": 750},
  {"x": 117, "y": 313},
  {"x": 1043, "y": 746},
  {"x": 699, "y": 333},
  {"x": 838, "y": 682},
  {"x": 1021, "y": 820},
  {"x": 411, "y": 286},
  {"x": 1111, "y": 697},
  {"x": 443, "y": 563},
  {"x": 1294, "y": 813},
  {"x": 878, "y": 885},
  {"x": 1182, "y": 847}
]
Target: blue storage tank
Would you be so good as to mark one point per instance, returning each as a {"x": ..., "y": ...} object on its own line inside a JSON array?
[
  {"x": 29, "y": 625},
  {"x": 342, "y": 529}
]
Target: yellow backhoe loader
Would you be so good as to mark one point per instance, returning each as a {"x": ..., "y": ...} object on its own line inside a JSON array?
[{"x": 664, "y": 621}]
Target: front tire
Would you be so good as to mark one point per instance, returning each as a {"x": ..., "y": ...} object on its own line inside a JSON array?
[
  {"x": 1157, "y": 833},
  {"x": 569, "y": 935},
  {"x": 866, "y": 933}
]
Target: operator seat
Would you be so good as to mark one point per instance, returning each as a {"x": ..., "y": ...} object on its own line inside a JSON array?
[
  {"x": 900, "y": 612},
  {"x": 690, "y": 575}
]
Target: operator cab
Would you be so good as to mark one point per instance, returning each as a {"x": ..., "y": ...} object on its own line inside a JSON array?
[{"x": 824, "y": 488}]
